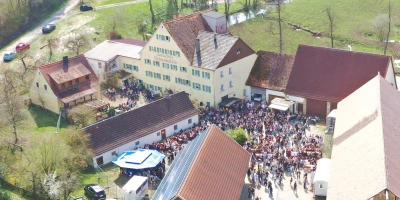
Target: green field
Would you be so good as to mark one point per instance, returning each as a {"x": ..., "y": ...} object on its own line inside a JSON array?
[{"x": 353, "y": 26}]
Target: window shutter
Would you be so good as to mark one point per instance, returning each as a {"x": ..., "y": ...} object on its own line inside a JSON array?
[
  {"x": 192, "y": 71},
  {"x": 202, "y": 74}
]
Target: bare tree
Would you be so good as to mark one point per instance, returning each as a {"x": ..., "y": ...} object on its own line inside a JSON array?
[
  {"x": 227, "y": 5},
  {"x": 153, "y": 17},
  {"x": 389, "y": 26},
  {"x": 51, "y": 44},
  {"x": 76, "y": 42},
  {"x": 331, "y": 17},
  {"x": 279, "y": 9}
]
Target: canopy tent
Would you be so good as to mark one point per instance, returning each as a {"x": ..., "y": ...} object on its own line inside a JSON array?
[
  {"x": 281, "y": 104},
  {"x": 139, "y": 159},
  {"x": 228, "y": 102}
]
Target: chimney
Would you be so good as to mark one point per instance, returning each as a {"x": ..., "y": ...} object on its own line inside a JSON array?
[
  {"x": 65, "y": 60},
  {"x": 215, "y": 41},
  {"x": 175, "y": 16},
  {"x": 197, "y": 45}
]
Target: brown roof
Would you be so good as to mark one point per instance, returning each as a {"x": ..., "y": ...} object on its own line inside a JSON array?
[
  {"x": 366, "y": 125},
  {"x": 132, "y": 125},
  {"x": 205, "y": 169},
  {"x": 184, "y": 31},
  {"x": 331, "y": 74},
  {"x": 271, "y": 71},
  {"x": 132, "y": 42},
  {"x": 212, "y": 53},
  {"x": 77, "y": 67}
]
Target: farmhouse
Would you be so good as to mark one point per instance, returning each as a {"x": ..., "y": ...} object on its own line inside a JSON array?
[
  {"x": 212, "y": 166},
  {"x": 325, "y": 76},
  {"x": 147, "y": 124},
  {"x": 64, "y": 83},
  {"x": 365, "y": 154}
]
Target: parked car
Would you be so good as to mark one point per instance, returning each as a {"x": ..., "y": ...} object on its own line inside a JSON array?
[
  {"x": 9, "y": 56},
  {"x": 48, "y": 28},
  {"x": 96, "y": 192},
  {"x": 85, "y": 7},
  {"x": 22, "y": 46}
]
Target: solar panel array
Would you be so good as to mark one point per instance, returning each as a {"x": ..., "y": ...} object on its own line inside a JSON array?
[{"x": 172, "y": 181}]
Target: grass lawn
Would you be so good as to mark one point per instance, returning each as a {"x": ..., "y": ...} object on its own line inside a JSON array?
[
  {"x": 353, "y": 24},
  {"x": 14, "y": 196},
  {"x": 103, "y": 2},
  {"x": 328, "y": 142}
]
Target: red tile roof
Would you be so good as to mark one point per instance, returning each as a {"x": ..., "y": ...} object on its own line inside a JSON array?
[
  {"x": 271, "y": 71},
  {"x": 218, "y": 170},
  {"x": 184, "y": 31},
  {"x": 77, "y": 67},
  {"x": 332, "y": 74}
]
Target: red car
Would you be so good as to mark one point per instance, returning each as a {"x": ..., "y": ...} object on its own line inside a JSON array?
[{"x": 22, "y": 46}]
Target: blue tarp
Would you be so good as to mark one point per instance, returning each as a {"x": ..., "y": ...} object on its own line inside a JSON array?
[{"x": 139, "y": 159}]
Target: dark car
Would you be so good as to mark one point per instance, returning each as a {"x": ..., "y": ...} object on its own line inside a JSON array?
[
  {"x": 48, "y": 28},
  {"x": 22, "y": 46},
  {"x": 95, "y": 192},
  {"x": 85, "y": 7},
  {"x": 9, "y": 56}
]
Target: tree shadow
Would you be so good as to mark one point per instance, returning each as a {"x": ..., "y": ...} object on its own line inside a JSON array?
[{"x": 121, "y": 180}]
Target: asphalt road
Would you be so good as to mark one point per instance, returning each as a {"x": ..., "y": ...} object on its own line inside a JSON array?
[{"x": 61, "y": 14}]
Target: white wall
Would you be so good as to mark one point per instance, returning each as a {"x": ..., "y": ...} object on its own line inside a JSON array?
[
  {"x": 95, "y": 66},
  {"x": 148, "y": 139},
  {"x": 390, "y": 75},
  {"x": 295, "y": 99}
]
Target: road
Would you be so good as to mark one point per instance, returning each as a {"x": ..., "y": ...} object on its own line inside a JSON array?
[{"x": 61, "y": 14}]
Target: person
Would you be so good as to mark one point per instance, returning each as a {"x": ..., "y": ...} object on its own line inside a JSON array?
[
  {"x": 250, "y": 191},
  {"x": 295, "y": 187},
  {"x": 291, "y": 180},
  {"x": 305, "y": 184},
  {"x": 298, "y": 174}
]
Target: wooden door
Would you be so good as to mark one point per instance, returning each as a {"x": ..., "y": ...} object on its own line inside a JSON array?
[{"x": 163, "y": 135}]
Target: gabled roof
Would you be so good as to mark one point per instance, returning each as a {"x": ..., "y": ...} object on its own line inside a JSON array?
[
  {"x": 205, "y": 169},
  {"x": 271, "y": 71},
  {"x": 184, "y": 31},
  {"x": 212, "y": 53},
  {"x": 110, "y": 49},
  {"x": 366, "y": 145},
  {"x": 58, "y": 72},
  {"x": 330, "y": 75},
  {"x": 122, "y": 129}
]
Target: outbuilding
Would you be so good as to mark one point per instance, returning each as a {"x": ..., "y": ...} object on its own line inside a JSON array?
[{"x": 321, "y": 177}]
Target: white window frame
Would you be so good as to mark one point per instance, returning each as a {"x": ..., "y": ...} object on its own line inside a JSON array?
[
  {"x": 183, "y": 69},
  {"x": 222, "y": 87},
  {"x": 230, "y": 83},
  {"x": 174, "y": 67},
  {"x": 221, "y": 74},
  {"x": 156, "y": 63},
  {"x": 230, "y": 70}
]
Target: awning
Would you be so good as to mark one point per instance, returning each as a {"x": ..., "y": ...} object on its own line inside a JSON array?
[
  {"x": 229, "y": 101},
  {"x": 278, "y": 107},
  {"x": 72, "y": 95}
]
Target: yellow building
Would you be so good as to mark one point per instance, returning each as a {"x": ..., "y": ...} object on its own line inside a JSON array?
[
  {"x": 194, "y": 54},
  {"x": 64, "y": 83}
]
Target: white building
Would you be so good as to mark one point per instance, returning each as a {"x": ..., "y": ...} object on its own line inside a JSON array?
[{"x": 147, "y": 124}]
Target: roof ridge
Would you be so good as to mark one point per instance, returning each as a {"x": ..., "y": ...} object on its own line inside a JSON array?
[
  {"x": 336, "y": 49},
  {"x": 187, "y": 16},
  {"x": 57, "y": 62}
]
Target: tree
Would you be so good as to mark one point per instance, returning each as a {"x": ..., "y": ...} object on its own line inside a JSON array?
[
  {"x": 389, "y": 26},
  {"x": 76, "y": 42},
  {"x": 279, "y": 9},
  {"x": 380, "y": 27},
  {"x": 172, "y": 8},
  {"x": 238, "y": 134},
  {"x": 227, "y": 4},
  {"x": 27, "y": 68},
  {"x": 331, "y": 17},
  {"x": 83, "y": 115},
  {"x": 153, "y": 17},
  {"x": 142, "y": 29},
  {"x": 51, "y": 43}
]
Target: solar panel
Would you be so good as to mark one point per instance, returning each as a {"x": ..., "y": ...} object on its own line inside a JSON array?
[{"x": 172, "y": 181}]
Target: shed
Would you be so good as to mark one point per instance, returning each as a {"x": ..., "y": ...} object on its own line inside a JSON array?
[
  {"x": 331, "y": 119},
  {"x": 135, "y": 188},
  {"x": 321, "y": 177}
]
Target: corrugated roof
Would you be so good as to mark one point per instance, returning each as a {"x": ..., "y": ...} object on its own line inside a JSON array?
[
  {"x": 366, "y": 149},
  {"x": 184, "y": 31},
  {"x": 212, "y": 52},
  {"x": 77, "y": 67},
  {"x": 330, "y": 75},
  {"x": 109, "y": 49},
  {"x": 132, "y": 125},
  {"x": 216, "y": 171},
  {"x": 271, "y": 71}
]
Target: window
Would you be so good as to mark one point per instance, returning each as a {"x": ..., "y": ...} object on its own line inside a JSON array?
[
  {"x": 196, "y": 72},
  {"x": 162, "y": 50},
  {"x": 221, "y": 73},
  {"x": 189, "y": 121},
  {"x": 77, "y": 80},
  {"x": 165, "y": 65},
  {"x": 45, "y": 87},
  {"x": 150, "y": 48},
  {"x": 99, "y": 64},
  {"x": 158, "y": 134},
  {"x": 156, "y": 63},
  {"x": 157, "y": 88},
  {"x": 321, "y": 186},
  {"x": 208, "y": 104},
  {"x": 175, "y": 127},
  {"x": 177, "y": 54},
  {"x": 222, "y": 87},
  {"x": 230, "y": 70},
  {"x": 167, "y": 38},
  {"x": 230, "y": 84},
  {"x": 87, "y": 78},
  {"x": 157, "y": 36},
  {"x": 157, "y": 75},
  {"x": 183, "y": 69},
  {"x": 244, "y": 92},
  {"x": 147, "y": 61},
  {"x": 166, "y": 51},
  {"x": 150, "y": 86},
  {"x": 206, "y": 88},
  {"x": 135, "y": 68},
  {"x": 70, "y": 83},
  {"x": 166, "y": 78},
  {"x": 137, "y": 143},
  {"x": 197, "y": 86},
  {"x": 238, "y": 51},
  {"x": 63, "y": 85},
  {"x": 174, "y": 67},
  {"x": 158, "y": 49},
  {"x": 99, "y": 160},
  {"x": 182, "y": 81},
  {"x": 37, "y": 84},
  {"x": 149, "y": 74},
  {"x": 206, "y": 75},
  {"x": 163, "y": 37}
]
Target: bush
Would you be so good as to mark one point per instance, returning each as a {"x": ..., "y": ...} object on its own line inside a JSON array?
[
  {"x": 4, "y": 196},
  {"x": 111, "y": 111},
  {"x": 238, "y": 134}
]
